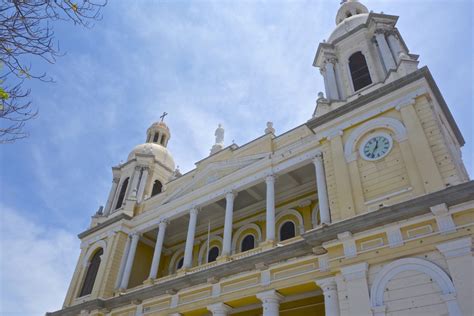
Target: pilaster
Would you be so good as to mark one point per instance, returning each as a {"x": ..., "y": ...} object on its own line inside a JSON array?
[
  {"x": 355, "y": 277},
  {"x": 343, "y": 186},
  {"x": 458, "y": 255},
  {"x": 421, "y": 149}
]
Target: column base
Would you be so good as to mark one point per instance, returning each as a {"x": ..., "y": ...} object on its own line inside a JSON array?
[
  {"x": 267, "y": 244},
  {"x": 223, "y": 259},
  {"x": 149, "y": 282},
  {"x": 182, "y": 271}
]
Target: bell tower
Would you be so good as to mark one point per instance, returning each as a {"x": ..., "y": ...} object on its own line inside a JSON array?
[{"x": 364, "y": 52}]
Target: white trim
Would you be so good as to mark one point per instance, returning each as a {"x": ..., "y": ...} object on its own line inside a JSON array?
[
  {"x": 314, "y": 215},
  {"x": 202, "y": 258},
  {"x": 238, "y": 234},
  {"x": 293, "y": 212},
  {"x": 408, "y": 264},
  {"x": 92, "y": 249},
  {"x": 174, "y": 261},
  {"x": 392, "y": 124},
  {"x": 411, "y": 233}
]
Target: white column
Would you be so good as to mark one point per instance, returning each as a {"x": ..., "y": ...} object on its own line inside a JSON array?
[
  {"x": 385, "y": 50},
  {"x": 142, "y": 185},
  {"x": 270, "y": 181},
  {"x": 270, "y": 302},
  {"x": 322, "y": 189},
  {"x": 355, "y": 277},
  {"x": 395, "y": 46},
  {"x": 331, "y": 300},
  {"x": 112, "y": 193},
  {"x": 160, "y": 237},
  {"x": 331, "y": 79},
  {"x": 131, "y": 256},
  {"x": 219, "y": 309},
  {"x": 229, "y": 211},
  {"x": 123, "y": 264},
  {"x": 458, "y": 254},
  {"x": 188, "y": 251},
  {"x": 133, "y": 188}
]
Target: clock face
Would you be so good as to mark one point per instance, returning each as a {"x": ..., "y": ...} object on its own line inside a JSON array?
[{"x": 376, "y": 147}]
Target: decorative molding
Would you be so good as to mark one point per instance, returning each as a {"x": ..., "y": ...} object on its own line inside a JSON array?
[
  {"x": 443, "y": 218},
  {"x": 408, "y": 264},
  {"x": 392, "y": 124},
  {"x": 355, "y": 272},
  {"x": 237, "y": 236},
  {"x": 348, "y": 242},
  {"x": 294, "y": 213},
  {"x": 394, "y": 235},
  {"x": 456, "y": 248}
]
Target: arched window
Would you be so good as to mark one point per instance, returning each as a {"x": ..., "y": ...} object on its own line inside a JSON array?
[
  {"x": 91, "y": 273},
  {"x": 247, "y": 243},
  {"x": 155, "y": 138},
  {"x": 121, "y": 196},
  {"x": 180, "y": 263},
  {"x": 359, "y": 71},
  {"x": 157, "y": 187},
  {"x": 287, "y": 231},
  {"x": 213, "y": 254}
]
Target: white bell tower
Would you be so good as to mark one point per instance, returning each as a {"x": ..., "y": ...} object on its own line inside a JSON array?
[{"x": 364, "y": 52}]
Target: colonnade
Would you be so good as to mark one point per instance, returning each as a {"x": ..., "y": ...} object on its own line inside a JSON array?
[{"x": 270, "y": 237}]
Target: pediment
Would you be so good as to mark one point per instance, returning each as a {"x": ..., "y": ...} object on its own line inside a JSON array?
[{"x": 214, "y": 171}]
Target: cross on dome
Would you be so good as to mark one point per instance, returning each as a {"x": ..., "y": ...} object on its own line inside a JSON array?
[{"x": 162, "y": 117}]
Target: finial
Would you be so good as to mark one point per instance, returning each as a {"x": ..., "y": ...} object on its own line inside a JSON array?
[
  {"x": 162, "y": 117},
  {"x": 320, "y": 95},
  {"x": 269, "y": 129}
]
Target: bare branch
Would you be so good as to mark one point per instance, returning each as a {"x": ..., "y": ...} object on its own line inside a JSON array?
[{"x": 26, "y": 34}]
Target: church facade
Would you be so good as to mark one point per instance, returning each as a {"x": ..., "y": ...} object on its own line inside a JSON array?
[{"x": 365, "y": 209}]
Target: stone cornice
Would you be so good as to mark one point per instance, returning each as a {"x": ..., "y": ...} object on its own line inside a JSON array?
[
  {"x": 388, "y": 88},
  {"x": 104, "y": 224},
  {"x": 418, "y": 206}
]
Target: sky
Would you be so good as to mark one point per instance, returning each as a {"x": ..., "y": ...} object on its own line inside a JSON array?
[{"x": 239, "y": 63}]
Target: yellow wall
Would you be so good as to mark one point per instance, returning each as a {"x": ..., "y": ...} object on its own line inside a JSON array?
[{"x": 141, "y": 265}]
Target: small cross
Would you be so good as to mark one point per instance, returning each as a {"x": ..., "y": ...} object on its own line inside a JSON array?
[{"x": 163, "y": 116}]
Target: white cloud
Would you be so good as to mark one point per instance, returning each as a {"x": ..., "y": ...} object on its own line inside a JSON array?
[{"x": 37, "y": 263}]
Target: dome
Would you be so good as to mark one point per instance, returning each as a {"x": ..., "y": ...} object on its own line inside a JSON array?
[
  {"x": 347, "y": 25},
  {"x": 161, "y": 154}
]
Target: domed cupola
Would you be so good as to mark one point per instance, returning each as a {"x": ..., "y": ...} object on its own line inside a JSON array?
[
  {"x": 350, "y": 8},
  {"x": 158, "y": 135}
]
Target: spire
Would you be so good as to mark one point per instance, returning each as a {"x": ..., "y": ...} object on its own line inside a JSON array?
[{"x": 219, "y": 133}]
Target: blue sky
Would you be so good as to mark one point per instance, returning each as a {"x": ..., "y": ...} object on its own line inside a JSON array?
[{"x": 239, "y": 63}]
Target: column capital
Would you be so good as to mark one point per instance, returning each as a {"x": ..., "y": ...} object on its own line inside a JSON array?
[
  {"x": 116, "y": 180},
  {"x": 271, "y": 296},
  {"x": 134, "y": 234},
  {"x": 334, "y": 134},
  {"x": 327, "y": 284},
  {"x": 356, "y": 271},
  {"x": 194, "y": 211},
  {"x": 456, "y": 248},
  {"x": 270, "y": 178},
  {"x": 318, "y": 157},
  {"x": 163, "y": 222},
  {"x": 231, "y": 194},
  {"x": 219, "y": 308},
  {"x": 330, "y": 60}
]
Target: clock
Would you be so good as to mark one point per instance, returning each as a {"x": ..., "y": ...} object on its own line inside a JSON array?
[{"x": 376, "y": 147}]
